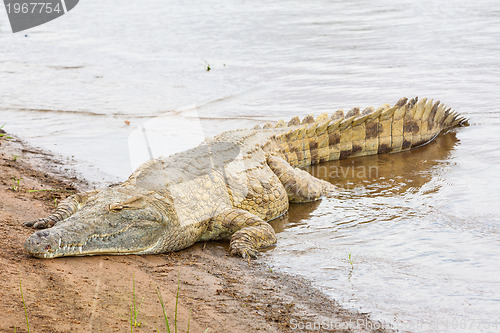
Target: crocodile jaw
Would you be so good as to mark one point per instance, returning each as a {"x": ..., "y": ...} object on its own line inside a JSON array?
[{"x": 69, "y": 240}]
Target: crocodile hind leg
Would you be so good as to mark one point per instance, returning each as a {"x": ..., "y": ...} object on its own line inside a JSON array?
[
  {"x": 299, "y": 185},
  {"x": 65, "y": 209},
  {"x": 247, "y": 232}
]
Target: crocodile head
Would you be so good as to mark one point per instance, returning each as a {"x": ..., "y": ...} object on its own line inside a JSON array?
[{"x": 114, "y": 222}]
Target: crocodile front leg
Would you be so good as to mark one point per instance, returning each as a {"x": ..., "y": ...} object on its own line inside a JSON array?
[
  {"x": 247, "y": 232},
  {"x": 300, "y": 186},
  {"x": 65, "y": 209}
]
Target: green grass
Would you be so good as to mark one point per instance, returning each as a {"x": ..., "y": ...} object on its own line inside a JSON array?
[
  {"x": 175, "y": 312},
  {"x": 164, "y": 312},
  {"x": 24, "y": 305},
  {"x": 48, "y": 190},
  {"x": 16, "y": 186},
  {"x": 4, "y": 136},
  {"x": 350, "y": 260},
  {"x": 134, "y": 308}
]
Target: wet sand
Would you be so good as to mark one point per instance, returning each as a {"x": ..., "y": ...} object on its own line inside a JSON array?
[{"x": 94, "y": 294}]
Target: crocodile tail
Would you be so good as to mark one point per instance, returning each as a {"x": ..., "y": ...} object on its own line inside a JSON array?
[{"x": 406, "y": 125}]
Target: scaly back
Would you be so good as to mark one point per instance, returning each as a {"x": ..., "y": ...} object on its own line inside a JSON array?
[{"x": 406, "y": 125}]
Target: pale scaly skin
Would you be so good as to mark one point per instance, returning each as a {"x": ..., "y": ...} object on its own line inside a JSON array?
[{"x": 231, "y": 186}]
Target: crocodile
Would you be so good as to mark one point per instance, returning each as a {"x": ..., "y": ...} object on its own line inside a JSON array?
[{"x": 230, "y": 186}]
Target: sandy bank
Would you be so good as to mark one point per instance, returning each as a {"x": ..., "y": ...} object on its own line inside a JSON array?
[{"x": 94, "y": 294}]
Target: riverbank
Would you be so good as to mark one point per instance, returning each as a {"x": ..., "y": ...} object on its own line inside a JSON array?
[{"x": 94, "y": 294}]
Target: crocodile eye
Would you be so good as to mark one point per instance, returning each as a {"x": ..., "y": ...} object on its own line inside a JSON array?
[{"x": 115, "y": 207}]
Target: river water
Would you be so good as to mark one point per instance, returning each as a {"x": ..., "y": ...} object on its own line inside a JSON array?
[{"x": 422, "y": 227}]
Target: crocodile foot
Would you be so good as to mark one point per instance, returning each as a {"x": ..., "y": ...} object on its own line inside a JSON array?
[
  {"x": 248, "y": 232},
  {"x": 244, "y": 251},
  {"x": 42, "y": 223}
]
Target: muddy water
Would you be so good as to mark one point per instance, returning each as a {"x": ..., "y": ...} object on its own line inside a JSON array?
[{"x": 421, "y": 227}]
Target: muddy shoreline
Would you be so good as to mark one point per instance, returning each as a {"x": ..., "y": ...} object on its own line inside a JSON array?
[{"x": 94, "y": 294}]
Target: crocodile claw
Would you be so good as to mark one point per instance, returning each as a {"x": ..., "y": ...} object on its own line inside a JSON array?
[
  {"x": 29, "y": 223},
  {"x": 40, "y": 224},
  {"x": 245, "y": 253}
]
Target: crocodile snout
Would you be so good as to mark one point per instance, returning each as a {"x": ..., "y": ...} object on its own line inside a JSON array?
[{"x": 42, "y": 243}]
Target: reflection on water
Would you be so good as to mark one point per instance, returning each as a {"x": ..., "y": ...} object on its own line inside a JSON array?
[
  {"x": 371, "y": 177},
  {"x": 387, "y": 174},
  {"x": 422, "y": 226},
  {"x": 298, "y": 214}
]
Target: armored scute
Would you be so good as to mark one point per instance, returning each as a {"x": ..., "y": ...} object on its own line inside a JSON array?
[{"x": 230, "y": 186}]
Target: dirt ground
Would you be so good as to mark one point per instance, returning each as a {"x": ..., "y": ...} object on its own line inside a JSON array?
[{"x": 217, "y": 292}]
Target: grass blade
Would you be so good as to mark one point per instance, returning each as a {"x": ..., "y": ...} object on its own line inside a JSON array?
[
  {"x": 24, "y": 304},
  {"x": 134, "y": 308},
  {"x": 177, "y": 301},
  {"x": 163, "y": 307},
  {"x": 131, "y": 319}
]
